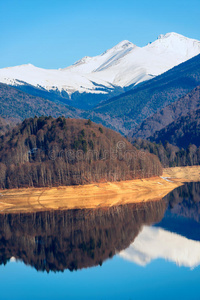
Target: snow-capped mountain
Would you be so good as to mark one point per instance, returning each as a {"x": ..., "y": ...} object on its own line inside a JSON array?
[
  {"x": 127, "y": 64},
  {"x": 156, "y": 243},
  {"x": 117, "y": 68}
]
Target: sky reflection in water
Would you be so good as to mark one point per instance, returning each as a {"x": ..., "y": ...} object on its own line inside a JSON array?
[{"x": 163, "y": 261}]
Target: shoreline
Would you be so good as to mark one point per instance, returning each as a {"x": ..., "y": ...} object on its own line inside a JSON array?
[
  {"x": 183, "y": 174},
  {"x": 89, "y": 196},
  {"x": 96, "y": 195}
]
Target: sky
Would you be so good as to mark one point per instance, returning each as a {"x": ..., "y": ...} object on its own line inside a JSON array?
[
  {"x": 56, "y": 33},
  {"x": 116, "y": 279}
]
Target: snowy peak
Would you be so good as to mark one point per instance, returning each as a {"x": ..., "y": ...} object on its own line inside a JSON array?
[
  {"x": 122, "y": 66},
  {"x": 175, "y": 36},
  {"x": 170, "y": 35},
  {"x": 114, "y": 55},
  {"x": 123, "y": 45},
  {"x": 177, "y": 44},
  {"x": 83, "y": 60}
]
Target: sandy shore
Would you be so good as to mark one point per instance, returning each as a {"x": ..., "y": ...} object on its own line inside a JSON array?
[
  {"x": 87, "y": 196},
  {"x": 96, "y": 195},
  {"x": 183, "y": 174}
]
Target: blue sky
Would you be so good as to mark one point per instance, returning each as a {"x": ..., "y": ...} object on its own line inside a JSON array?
[
  {"x": 56, "y": 33},
  {"x": 116, "y": 279}
]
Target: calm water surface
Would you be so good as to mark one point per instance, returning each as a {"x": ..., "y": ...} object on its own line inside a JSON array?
[{"x": 135, "y": 251}]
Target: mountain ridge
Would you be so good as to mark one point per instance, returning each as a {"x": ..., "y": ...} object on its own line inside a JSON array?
[{"x": 121, "y": 67}]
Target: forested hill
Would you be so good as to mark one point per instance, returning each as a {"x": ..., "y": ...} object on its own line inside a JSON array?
[{"x": 49, "y": 152}]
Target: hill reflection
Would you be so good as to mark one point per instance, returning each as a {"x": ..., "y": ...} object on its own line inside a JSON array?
[{"x": 74, "y": 239}]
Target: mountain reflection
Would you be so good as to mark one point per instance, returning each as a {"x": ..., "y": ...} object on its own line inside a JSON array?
[
  {"x": 155, "y": 242},
  {"x": 74, "y": 239},
  {"x": 177, "y": 237},
  {"x": 185, "y": 201},
  {"x": 183, "y": 213}
]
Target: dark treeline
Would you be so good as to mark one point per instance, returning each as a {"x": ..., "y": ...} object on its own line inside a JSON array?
[
  {"x": 170, "y": 155},
  {"x": 49, "y": 152}
]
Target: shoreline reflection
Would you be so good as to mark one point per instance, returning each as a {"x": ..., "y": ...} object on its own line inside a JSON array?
[{"x": 74, "y": 239}]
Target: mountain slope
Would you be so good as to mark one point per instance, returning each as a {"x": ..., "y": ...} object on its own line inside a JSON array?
[
  {"x": 182, "y": 132},
  {"x": 100, "y": 77},
  {"x": 130, "y": 109},
  {"x": 4, "y": 126},
  {"x": 51, "y": 152},
  {"x": 167, "y": 115},
  {"x": 16, "y": 106}
]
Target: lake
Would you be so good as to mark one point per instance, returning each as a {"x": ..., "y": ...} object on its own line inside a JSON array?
[{"x": 148, "y": 250}]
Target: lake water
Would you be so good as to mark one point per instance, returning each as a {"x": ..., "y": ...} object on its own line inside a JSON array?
[{"x": 135, "y": 251}]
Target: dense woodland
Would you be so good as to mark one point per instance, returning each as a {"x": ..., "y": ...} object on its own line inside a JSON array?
[
  {"x": 170, "y": 155},
  {"x": 46, "y": 151}
]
